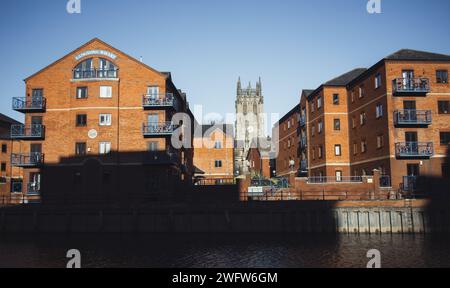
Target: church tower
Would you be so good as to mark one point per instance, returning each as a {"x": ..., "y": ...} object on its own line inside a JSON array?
[{"x": 249, "y": 121}]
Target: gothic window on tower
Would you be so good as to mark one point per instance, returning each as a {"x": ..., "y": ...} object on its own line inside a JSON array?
[
  {"x": 255, "y": 108},
  {"x": 245, "y": 108}
]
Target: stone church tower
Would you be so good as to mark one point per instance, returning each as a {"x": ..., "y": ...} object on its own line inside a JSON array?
[{"x": 249, "y": 122}]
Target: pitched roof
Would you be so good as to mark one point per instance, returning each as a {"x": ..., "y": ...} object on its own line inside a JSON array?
[
  {"x": 345, "y": 78},
  {"x": 416, "y": 55},
  {"x": 207, "y": 129},
  {"x": 8, "y": 120},
  {"x": 307, "y": 92},
  {"x": 165, "y": 74}
]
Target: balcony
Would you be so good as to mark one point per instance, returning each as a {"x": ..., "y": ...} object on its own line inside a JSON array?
[
  {"x": 95, "y": 74},
  {"x": 159, "y": 101},
  {"x": 409, "y": 87},
  {"x": 303, "y": 165},
  {"x": 302, "y": 121},
  {"x": 412, "y": 117},
  {"x": 158, "y": 129},
  {"x": 33, "y": 132},
  {"x": 303, "y": 143},
  {"x": 414, "y": 150},
  {"x": 29, "y": 104},
  {"x": 27, "y": 160},
  {"x": 161, "y": 158}
]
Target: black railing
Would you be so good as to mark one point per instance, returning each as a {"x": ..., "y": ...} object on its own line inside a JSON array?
[
  {"x": 24, "y": 104},
  {"x": 414, "y": 149},
  {"x": 412, "y": 117},
  {"x": 334, "y": 179},
  {"x": 164, "y": 100},
  {"x": 302, "y": 121},
  {"x": 27, "y": 160},
  {"x": 96, "y": 73},
  {"x": 156, "y": 129},
  {"x": 411, "y": 85},
  {"x": 35, "y": 131}
]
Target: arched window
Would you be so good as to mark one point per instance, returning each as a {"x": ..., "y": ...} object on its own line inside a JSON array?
[
  {"x": 84, "y": 69},
  {"x": 255, "y": 108},
  {"x": 245, "y": 108},
  {"x": 106, "y": 69}
]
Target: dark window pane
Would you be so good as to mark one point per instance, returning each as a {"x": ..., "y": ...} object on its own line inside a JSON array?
[
  {"x": 80, "y": 149},
  {"x": 81, "y": 120},
  {"x": 443, "y": 107},
  {"x": 4, "y": 148},
  {"x": 442, "y": 76},
  {"x": 445, "y": 138}
]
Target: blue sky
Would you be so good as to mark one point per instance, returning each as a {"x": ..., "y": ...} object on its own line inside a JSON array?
[{"x": 208, "y": 44}]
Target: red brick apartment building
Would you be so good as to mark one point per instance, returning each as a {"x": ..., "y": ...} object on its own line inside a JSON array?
[
  {"x": 214, "y": 151},
  {"x": 99, "y": 127},
  {"x": 393, "y": 117},
  {"x": 288, "y": 143},
  {"x": 10, "y": 177},
  {"x": 302, "y": 133},
  {"x": 259, "y": 163},
  {"x": 328, "y": 127}
]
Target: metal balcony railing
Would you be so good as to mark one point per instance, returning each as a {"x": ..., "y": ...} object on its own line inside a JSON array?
[
  {"x": 303, "y": 165},
  {"x": 96, "y": 74},
  {"x": 410, "y": 86},
  {"x": 159, "y": 101},
  {"x": 303, "y": 142},
  {"x": 414, "y": 149},
  {"x": 34, "y": 189},
  {"x": 409, "y": 183},
  {"x": 302, "y": 121},
  {"x": 412, "y": 117},
  {"x": 35, "y": 131},
  {"x": 27, "y": 160},
  {"x": 158, "y": 129},
  {"x": 29, "y": 104},
  {"x": 334, "y": 179}
]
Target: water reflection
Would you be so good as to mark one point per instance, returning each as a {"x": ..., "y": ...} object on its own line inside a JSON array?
[{"x": 219, "y": 251}]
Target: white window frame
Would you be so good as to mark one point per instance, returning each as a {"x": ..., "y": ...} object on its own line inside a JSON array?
[
  {"x": 107, "y": 119},
  {"x": 379, "y": 110},
  {"x": 320, "y": 127},
  {"x": 105, "y": 92},
  {"x": 337, "y": 150},
  {"x": 378, "y": 81},
  {"x": 319, "y": 102},
  {"x": 104, "y": 148}
]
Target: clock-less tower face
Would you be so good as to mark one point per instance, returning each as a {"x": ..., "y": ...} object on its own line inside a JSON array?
[{"x": 249, "y": 119}]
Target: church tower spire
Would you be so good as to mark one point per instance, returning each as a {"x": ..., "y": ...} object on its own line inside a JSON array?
[{"x": 239, "y": 87}]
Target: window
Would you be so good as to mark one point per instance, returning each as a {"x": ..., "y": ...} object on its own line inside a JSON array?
[
  {"x": 363, "y": 146},
  {"x": 84, "y": 69},
  {"x": 353, "y": 122},
  {"x": 4, "y": 148},
  {"x": 107, "y": 69},
  {"x": 104, "y": 148},
  {"x": 105, "y": 92},
  {"x": 289, "y": 124},
  {"x": 337, "y": 124},
  {"x": 105, "y": 120},
  {"x": 289, "y": 143},
  {"x": 314, "y": 153},
  {"x": 355, "y": 148},
  {"x": 337, "y": 150},
  {"x": 338, "y": 176},
  {"x": 313, "y": 130},
  {"x": 80, "y": 149},
  {"x": 336, "y": 99},
  {"x": 320, "y": 127},
  {"x": 81, "y": 120},
  {"x": 362, "y": 118},
  {"x": 361, "y": 91},
  {"x": 218, "y": 163},
  {"x": 152, "y": 146},
  {"x": 443, "y": 107},
  {"x": 3, "y": 167},
  {"x": 379, "y": 111},
  {"x": 82, "y": 92},
  {"x": 377, "y": 81},
  {"x": 380, "y": 141},
  {"x": 319, "y": 102},
  {"x": 445, "y": 138},
  {"x": 312, "y": 107},
  {"x": 352, "y": 96},
  {"x": 218, "y": 145},
  {"x": 320, "y": 152},
  {"x": 442, "y": 76}
]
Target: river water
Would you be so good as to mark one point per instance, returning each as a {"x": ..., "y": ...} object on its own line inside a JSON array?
[{"x": 225, "y": 251}]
